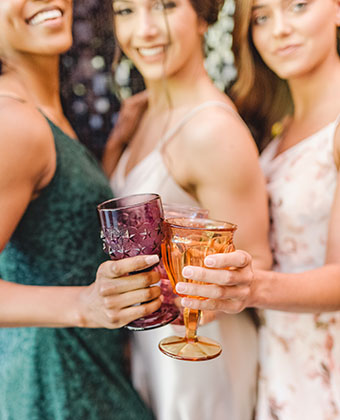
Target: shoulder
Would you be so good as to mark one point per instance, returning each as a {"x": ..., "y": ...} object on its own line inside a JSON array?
[
  {"x": 216, "y": 145},
  {"x": 22, "y": 126},
  {"x": 217, "y": 129},
  {"x": 25, "y": 137}
]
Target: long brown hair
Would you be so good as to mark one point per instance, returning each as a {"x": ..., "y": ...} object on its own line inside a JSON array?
[{"x": 261, "y": 97}]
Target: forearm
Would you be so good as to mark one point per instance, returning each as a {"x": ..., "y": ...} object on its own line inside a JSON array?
[
  {"x": 39, "y": 306},
  {"x": 316, "y": 290},
  {"x": 112, "y": 153}
]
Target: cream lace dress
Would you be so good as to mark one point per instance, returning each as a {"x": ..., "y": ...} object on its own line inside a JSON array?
[
  {"x": 220, "y": 389},
  {"x": 300, "y": 353}
]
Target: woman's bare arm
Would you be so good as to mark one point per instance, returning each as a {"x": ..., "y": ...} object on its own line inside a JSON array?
[
  {"x": 27, "y": 163},
  {"x": 312, "y": 291}
]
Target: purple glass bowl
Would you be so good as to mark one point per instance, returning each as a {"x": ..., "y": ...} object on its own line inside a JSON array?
[{"x": 131, "y": 225}]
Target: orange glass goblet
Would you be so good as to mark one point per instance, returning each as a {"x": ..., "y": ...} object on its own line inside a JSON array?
[{"x": 187, "y": 242}]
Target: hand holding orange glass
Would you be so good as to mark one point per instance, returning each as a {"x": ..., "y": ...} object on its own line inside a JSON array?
[{"x": 188, "y": 242}]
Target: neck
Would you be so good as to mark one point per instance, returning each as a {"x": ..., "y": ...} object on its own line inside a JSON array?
[
  {"x": 36, "y": 79},
  {"x": 180, "y": 89},
  {"x": 318, "y": 90}
]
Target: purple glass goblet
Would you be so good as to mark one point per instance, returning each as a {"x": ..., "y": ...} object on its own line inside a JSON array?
[{"x": 132, "y": 226}]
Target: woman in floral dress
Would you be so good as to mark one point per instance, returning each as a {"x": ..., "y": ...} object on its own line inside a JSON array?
[{"x": 289, "y": 69}]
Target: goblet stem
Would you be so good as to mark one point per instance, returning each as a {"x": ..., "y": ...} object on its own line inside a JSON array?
[{"x": 191, "y": 320}]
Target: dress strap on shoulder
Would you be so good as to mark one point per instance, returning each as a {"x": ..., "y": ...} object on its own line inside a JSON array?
[
  {"x": 208, "y": 104},
  {"x": 16, "y": 98},
  {"x": 337, "y": 121}
]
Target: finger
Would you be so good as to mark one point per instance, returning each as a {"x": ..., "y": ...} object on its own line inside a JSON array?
[
  {"x": 206, "y": 275},
  {"x": 135, "y": 312},
  {"x": 238, "y": 259},
  {"x": 135, "y": 297},
  {"x": 112, "y": 287},
  {"x": 221, "y": 277},
  {"x": 229, "y": 306},
  {"x": 118, "y": 318},
  {"x": 213, "y": 291},
  {"x": 207, "y": 317},
  {"x": 113, "y": 269}
]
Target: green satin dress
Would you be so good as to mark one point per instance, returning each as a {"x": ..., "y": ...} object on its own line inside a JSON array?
[{"x": 66, "y": 373}]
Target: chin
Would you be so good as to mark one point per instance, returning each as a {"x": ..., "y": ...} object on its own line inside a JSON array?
[
  {"x": 152, "y": 73},
  {"x": 61, "y": 47},
  {"x": 291, "y": 75}
]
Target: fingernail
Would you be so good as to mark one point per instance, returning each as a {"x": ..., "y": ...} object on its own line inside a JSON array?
[
  {"x": 152, "y": 259},
  {"x": 209, "y": 262},
  {"x": 180, "y": 288},
  {"x": 187, "y": 272},
  {"x": 186, "y": 303}
]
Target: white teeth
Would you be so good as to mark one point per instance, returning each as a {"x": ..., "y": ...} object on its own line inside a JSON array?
[
  {"x": 43, "y": 16},
  {"x": 148, "y": 52}
]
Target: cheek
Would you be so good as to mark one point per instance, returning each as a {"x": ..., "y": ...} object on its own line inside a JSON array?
[
  {"x": 121, "y": 32},
  {"x": 260, "y": 41}
]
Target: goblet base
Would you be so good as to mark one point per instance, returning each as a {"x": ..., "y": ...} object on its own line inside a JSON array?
[
  {"x": 163, "y": 316},
  {"x": 180, "y": 348}
]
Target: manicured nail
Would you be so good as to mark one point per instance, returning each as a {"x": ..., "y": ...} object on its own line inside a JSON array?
[
  {"x": 180, "y": 288},
  {"x": 152, "y": 259},
  {"x": 187, "y": 272},
  {"x": 209, "y": 262},
  {"x": 186, "y": 303}
]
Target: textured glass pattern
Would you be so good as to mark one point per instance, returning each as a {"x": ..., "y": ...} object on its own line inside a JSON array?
[
  {"x": 187, "y": 242},
  {"x": 132, "y": 226},
  {"x": 127, "y": 232}
]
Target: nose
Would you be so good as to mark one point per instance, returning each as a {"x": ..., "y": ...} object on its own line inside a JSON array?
[
  {"x": 281, "y": 24},
  {"x": 146, "y": 25}
]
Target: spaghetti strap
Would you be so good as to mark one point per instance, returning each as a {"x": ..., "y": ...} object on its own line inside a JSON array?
[
  {"x": 16, "y": 98},
  {"x": 170, "y": 133},
  {"x": 335, "y": 126}
]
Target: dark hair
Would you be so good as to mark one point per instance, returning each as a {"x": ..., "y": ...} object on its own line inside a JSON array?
[{"x": 208, "y": 10}]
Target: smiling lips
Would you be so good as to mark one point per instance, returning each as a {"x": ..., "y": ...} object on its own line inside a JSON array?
[
  {"x": 44, "y": 16},
  {"x": 151, "y": 52}
]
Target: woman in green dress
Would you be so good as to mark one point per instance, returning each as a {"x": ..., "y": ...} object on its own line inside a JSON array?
[{"x": 59, "y": 358}]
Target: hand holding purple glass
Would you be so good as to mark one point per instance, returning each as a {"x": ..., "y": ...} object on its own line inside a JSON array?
[{"x": 132, "y": 226}]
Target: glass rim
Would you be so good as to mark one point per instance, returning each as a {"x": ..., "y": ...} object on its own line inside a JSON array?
[
  {"x": 138, "y": 204},
  {"x": 183, "y": 206},
  {"x": 230, "y": 228}
]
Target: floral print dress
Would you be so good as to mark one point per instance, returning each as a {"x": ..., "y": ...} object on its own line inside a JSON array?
[{"x": 300, "y": 353}]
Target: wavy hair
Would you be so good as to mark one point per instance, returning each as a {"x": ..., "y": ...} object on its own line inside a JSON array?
[{"x": 261, "y": 96}]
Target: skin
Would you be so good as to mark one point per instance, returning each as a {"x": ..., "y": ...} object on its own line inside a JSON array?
[
  {"x": 312, "y": 69},
  {"x": 222, "y": 174},
  {"x": 130, "y": 114},
  {"x": 30, "y": 56}
]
